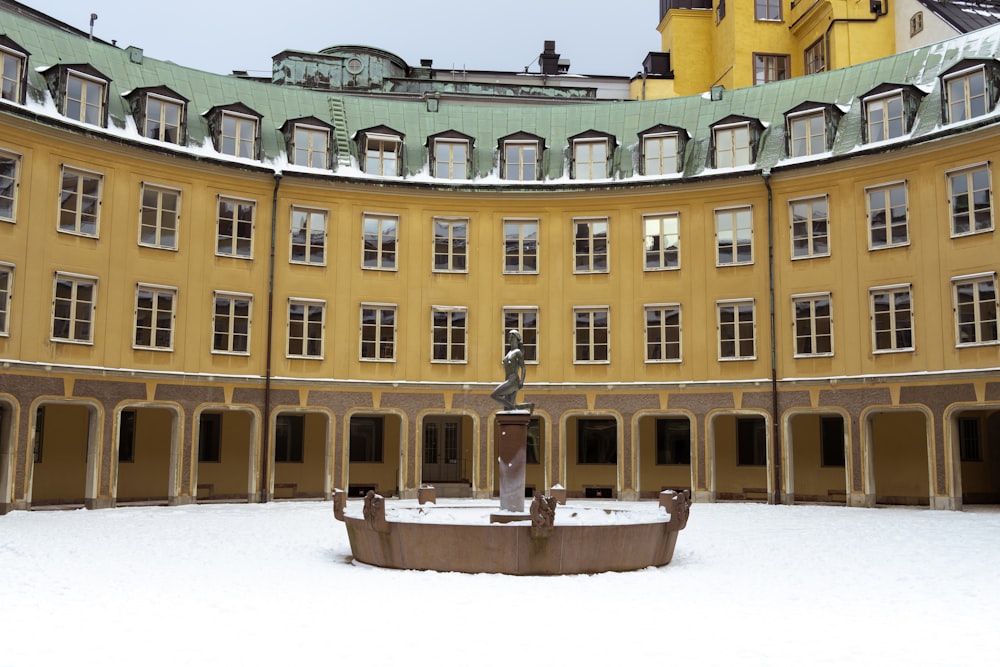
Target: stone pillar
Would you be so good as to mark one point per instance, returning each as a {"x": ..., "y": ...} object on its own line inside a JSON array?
[{"x": 512, "y": 452}]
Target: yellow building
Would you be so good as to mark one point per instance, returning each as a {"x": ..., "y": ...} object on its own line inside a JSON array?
[{"x": 219, "y": 288}]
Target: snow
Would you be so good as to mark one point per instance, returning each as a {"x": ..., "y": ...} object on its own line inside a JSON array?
[{"x": 750, "y": 584}]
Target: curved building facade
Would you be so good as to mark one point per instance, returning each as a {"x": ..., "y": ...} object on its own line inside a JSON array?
[{"x": 218, "y": 288}]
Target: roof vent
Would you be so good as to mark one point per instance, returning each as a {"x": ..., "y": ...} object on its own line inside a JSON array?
[{"x": 548, "y": 61}]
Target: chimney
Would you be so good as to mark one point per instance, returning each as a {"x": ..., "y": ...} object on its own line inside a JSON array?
[{"x": 548, "y": 61}]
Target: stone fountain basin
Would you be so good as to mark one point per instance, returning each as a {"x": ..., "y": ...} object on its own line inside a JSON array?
[{"x": 584, "y": 539}]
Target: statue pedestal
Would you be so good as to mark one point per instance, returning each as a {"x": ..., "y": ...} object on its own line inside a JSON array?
[{"x": 512, "y": 448}]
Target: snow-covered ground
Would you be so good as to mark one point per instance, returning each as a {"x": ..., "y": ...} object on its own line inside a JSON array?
[{"x": 274, "y": 584}]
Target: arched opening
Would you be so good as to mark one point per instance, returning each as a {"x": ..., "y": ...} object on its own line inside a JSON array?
[
  {"x": 664, "y": 454},
  {"x": 818, "y": 453},
  {"x": 899, "y": 457},
  {"x": 300, "y": 459},
  {"x": 739, "y": 454},
  {"x": 446, "y": 454},
  {"x": 592, "y": 444},
  {"x": 146, "y": 436},
  {"x": 374, "y": 453},
  {"x": 976, "y": 434},
  {"x": 8, "y": 415},
  {"x": 62, "y": 454},
  {"x": 225, "y": 451}
]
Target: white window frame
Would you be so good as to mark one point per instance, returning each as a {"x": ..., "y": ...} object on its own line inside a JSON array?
[
  {"x": 456, "y": 351},
  {"x": 311, "y": 215},
  {"x": 154, "y": 312},
  {"x": 737, "y": 323},
  {"x": 235, "y": 251},
  {"x": 889, "y": 226},
  {"x": 664, "y": 329},
  {"x": 158, "y": 213},
  {"x": 306, "y": 325},
  {"x": 530, "y": 341},
  {"x": 311, "y": 153},
  {"x": 967, "y": 99},
  {"x": 384, "y": 260},
  {"x": 733, "y": 228},
  {"x": 808, "y": 223},
  {"x": 521, "y": 224},
  {"x": 86, "y": 82},
  {"x": 585, "y": 164},
  {"x": 882, "y": 103},
  {"x": 591, "y": 346},
  {"x": 22, "y": 60},
  {"x": 808, "y": 137},
  {"x": 893, "y": 330},
  {"x": 448, "y": 167},
  {"x": 76, "y": 280},
  {"x": 658, "y": 163},
  {"x": 377, "y": 341},
  {"x": 164, "y": 126},
  {"x": 6, "y": 297},
  {"x": 971, "y": 211},
  {"x": 456, "y": 257},
  {"x": 232, "y": 316},
  {"x": 379, "y": 158},
  {"x": 664, "y": 243},
  {"x": 730, "y": 149},
  {"x": 15, "y": 183},
  {"x": 591, "y": 240},
  {"x": 978, "y": 307},
  {"x": 78, "y": 211},
  {"x": 521, "y": 163},
  {"x": 814, "y": 338},
  {"x": 813, "y": 64},
  {"x": 239, "y": 141}
]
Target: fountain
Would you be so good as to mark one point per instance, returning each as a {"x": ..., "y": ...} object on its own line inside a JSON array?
[{"x": 472, "y": 538}]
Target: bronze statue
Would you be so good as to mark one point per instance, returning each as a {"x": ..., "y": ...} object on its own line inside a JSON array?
[{"x": 515, "y": 371}]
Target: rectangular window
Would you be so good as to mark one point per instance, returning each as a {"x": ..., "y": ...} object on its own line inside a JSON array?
[
  {"x": 892, "y": 319},
  {"x": 12, "y": 72},
  {"x": 73, "y": 303},
  {"x": 6, "y": 295},
  {"x": 379, "y": 241},
  {"x": 210, "y": 437},
  {"x": 451, "y": 245},
  {"x": 591, "y": 245},
  {"x": 732, "y": 146},
  {"x": 806, "y": 134},
  {"x": 970, "y": 200},
  {"x": 525, "y": 320},
  {"x": 310, "y": 146},
  {"x": 813, "y": 322},
  {"x": 126, "y": 436},
  {"x": 673, "y": 442},
  {"x": 975, "y": 309},
  {"x": 306, "y": 324},
  {"x": 231, "y": 323},
  {"x": 520, "y": 160},
  {"x": 378, "y": 332},
  {"x": 831, "y": 438},
  {"x": 154, "y": 317},
  {"x": 449, "y": 333},
  {"x": 815, "y": 57},
  {"x": 239, "y": 135},
  {"x": 289, "y": 438},
  {"x": 520, "y": 239},
  {"x": 84, "y": 100},
  {"x": 966, "y": 92},
  {"x": 597, "y": 442},
  {"x": 158, "y": 216},
  {"x": 751, "y": 441},
  {"x": 235, "y": 228},
  {"x": 884, "y": 117},
  {"x": 663, "y": 332},
  {"x": 590, "y": 159},
  {"x": 163, "y": 120},
  {"x": 308, "y": 236},
  {"x": 969, "y": 439},
  {"x": 659, "y": 154},
  {"x": 887, "y": 216},
  {"x": 737, "y": 329},
  {"x": 734, "y": 236},
  {"x": 661, "y": 241},
  {"x": 451, "y": 159},
  {"x": 767, "y": 10},
  {"x": 10, "y": 181},
  {"x": 810, "y": 227},
  {"x": 382, "y": 155},
  {"x": 366, "y": 439},
  {"x": 79, "y": 202},
  {"x": 591, "y": 332},
  {"x": 768, "y": 67}
]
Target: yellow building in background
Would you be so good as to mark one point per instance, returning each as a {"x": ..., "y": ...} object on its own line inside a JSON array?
[{"x": 217, "y": 288}]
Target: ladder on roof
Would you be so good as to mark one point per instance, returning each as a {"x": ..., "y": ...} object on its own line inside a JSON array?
[{"x": 338, "y": 116}]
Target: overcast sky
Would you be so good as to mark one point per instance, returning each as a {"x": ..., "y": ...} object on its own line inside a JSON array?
[{"x": 597, "y": 36}]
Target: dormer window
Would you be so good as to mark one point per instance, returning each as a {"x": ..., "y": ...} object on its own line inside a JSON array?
[
  {"x": 662, "y": 150},
  {"x": 521, "y": 156},
  {"x": 235, "y": 130},
  {"x": 592, "y": 152},
  {"x": 307, "y": 142},
  {"x": 81, "y": 93},
  {"x": 450, "y": 154},
  {"x": 811, "y": 128},
  {"x": 381, "y": 151},
  {"x": 160, "y": 114},
  {"x": 734, "y": 141},
  {"x": 889, "y": 111},
  {"x": 970, "y": 89},
  {"x": 13, "y": 70}
]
